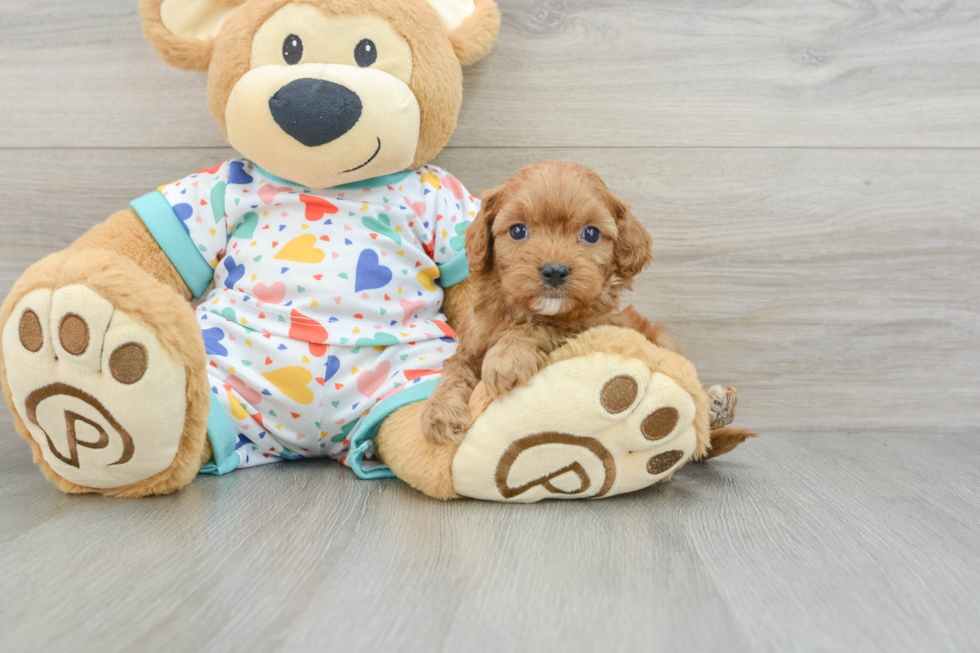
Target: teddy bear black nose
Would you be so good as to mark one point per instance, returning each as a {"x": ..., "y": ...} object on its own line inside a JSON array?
[
  {"x": 315, "y": 111},
  {"x": 555, "y": 274}
]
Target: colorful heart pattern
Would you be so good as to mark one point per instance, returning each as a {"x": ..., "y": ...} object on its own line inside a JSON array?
[{"x": 325, "y": 302}]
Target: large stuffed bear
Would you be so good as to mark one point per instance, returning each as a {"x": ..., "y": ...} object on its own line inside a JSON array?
[{"x": 335, "y": 259}]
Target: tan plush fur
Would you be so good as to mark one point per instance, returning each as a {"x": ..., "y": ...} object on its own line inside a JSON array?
[
  {"x": 474, "y": 37},
  {"x": 124, "y": 233},
  {"x": 181, "y": 53},
  {"x": 152, "y": 303},
  {"x": 425, "y": 465},
  {"x": 506, "y": 337}
]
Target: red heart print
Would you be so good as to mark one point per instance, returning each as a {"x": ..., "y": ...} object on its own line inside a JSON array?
[
  {"x": 316, "y": 207},
  {"x": 306, "y": 328}
]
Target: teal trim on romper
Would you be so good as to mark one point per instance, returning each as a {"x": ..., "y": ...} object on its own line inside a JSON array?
[
  {"x": 363, "y": 440},
  {"x": 454, "y": 271},
  {"x": 383, "y": 180},
  {"x": 156, "y": 213},
  {"x": 223, "y": 440}
]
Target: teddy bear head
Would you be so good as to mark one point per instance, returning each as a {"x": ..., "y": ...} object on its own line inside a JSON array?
[{"x": 328, "y": 92}]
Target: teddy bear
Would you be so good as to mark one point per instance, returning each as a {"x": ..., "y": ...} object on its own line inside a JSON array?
[{"x": 297, "y": 301}]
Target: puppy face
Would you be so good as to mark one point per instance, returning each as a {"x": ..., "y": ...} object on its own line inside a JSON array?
[{"x": 557, "y": 242}]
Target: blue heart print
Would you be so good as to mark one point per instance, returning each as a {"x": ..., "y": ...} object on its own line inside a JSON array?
[
  {"x": 183, "y": 211},
  {"x": 212, "y": 342},
  {"x": 370, "y": 273},
  {"x": 237, "y": 174},
  {"x": 333, "y": 364},
  {"x": 235, "y": 272}
]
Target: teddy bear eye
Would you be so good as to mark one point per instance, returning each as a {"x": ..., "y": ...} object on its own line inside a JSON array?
[
  {"x": 591, "y": 234},
  {"x": 365, "y": 53},
  {"x": 292, "y": 49},
  {"x": 518, "y": 232}
]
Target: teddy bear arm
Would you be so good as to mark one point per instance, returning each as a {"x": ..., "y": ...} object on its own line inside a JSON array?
[{"x": 125, "y": 233}]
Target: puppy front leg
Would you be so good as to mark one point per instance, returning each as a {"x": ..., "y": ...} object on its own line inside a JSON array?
[
  {"x": 446, "y": 415},
  {"x": 518, "y": 355}
]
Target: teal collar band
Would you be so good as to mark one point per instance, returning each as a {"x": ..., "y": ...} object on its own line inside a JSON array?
[{"x": 374, "y": 182}]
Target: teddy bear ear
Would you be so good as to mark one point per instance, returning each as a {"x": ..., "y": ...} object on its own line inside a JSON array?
[
  {"x": 472, "y": 26},
  {"x": 183, "y": 31}
]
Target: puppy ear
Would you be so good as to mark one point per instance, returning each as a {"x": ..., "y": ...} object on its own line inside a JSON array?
[
  {"x": 633, "y": 244},
  {"x": 479, "y": 235},
  {"x": 183, "y": 31},
  {"x": 472, "y": 26}
]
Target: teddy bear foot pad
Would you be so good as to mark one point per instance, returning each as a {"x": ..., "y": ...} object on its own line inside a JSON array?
[
  {"x": 588, "y": 427},
  {"x": 96, "y": 390}
]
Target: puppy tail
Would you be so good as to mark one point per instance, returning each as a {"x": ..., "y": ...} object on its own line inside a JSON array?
[{"x": 725, "y": 439}]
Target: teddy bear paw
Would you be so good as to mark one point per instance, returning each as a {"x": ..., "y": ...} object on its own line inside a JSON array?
[
  {"x": 96, "y": 390},
  {"x": 593, "y": 426}
]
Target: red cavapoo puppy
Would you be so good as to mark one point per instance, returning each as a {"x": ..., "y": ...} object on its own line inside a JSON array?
[{"x": 550, "y": 252}]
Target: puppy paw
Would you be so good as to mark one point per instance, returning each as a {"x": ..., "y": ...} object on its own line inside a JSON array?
[
  {"x": 505, "y": 368},
  {"x": 722, "y": 400},
  {"x": 445, "y": 418}
]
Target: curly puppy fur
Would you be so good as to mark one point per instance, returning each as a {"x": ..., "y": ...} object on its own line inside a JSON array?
[{"x": 548, "y": 214}]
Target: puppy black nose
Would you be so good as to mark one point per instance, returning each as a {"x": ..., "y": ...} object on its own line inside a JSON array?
[
  {"x": 315, "y": 111},
  {"x": 555, "y": 274}
]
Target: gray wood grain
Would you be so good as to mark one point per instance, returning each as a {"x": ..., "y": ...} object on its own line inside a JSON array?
[
  {"x": 823, "y": 257},
  {"x": 567, "y": 73},
  {"x": 823, "y": 542}
]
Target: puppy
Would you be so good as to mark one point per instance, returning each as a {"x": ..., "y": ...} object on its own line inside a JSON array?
[{"x": 550, "y": 253}]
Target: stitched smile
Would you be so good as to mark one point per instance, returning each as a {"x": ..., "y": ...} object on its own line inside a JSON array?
[{"x": 369, "y": 160}]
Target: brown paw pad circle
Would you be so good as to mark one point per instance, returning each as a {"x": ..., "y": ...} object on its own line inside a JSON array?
[
  {"x": 73, "y": 333},
  {"x": 664, "y": 461},
  {"x": 30, "y": 331},
  {"x": 619, "y": 393},
  {"x": 660, "y": 423},
  {"x": 128, "y": 363}
]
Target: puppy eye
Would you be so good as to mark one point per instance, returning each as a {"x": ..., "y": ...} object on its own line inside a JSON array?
[
  {"x": 591, "y": 234},
  {"x": 292, "y": 49},
  {"x": 518, "y": 232},
  {"x": 365, "y": 53}
]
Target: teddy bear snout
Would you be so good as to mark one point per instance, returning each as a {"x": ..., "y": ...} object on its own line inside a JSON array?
[{"x": 315, "y": 111}]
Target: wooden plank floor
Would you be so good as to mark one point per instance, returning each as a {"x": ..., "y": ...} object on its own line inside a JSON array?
[{"x": 810, "y": 172}]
